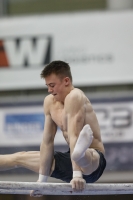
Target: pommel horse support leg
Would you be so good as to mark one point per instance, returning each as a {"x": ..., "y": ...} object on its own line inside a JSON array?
[{"x": 64, "y": 188}]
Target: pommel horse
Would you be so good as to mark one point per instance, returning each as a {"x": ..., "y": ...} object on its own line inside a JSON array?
[{"x": 8, "y": 187}]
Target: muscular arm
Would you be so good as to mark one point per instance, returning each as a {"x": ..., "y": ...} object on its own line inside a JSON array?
[
  {"x": 80, "y": 112},
  {"x": 75, "y": 111},
  {"x": 47, "y": 145}
]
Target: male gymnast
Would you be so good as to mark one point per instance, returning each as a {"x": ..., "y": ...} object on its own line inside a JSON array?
[{"x": 69, "y": 109}]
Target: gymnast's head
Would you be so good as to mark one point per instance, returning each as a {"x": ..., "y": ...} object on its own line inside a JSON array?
[
  {"x": 58, "y": 78},
  {"x": 59, "y": 68}
]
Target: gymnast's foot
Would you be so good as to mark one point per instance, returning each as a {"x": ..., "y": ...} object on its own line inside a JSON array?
[{"x": 83, "y": 143}]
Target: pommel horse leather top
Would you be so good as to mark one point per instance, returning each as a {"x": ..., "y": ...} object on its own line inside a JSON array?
[{"x": 8, "y": 187}]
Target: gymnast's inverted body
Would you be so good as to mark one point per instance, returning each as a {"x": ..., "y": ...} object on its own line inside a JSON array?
[{"x": 68, "y": 108}]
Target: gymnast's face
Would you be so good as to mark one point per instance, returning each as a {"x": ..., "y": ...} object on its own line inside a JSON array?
[{"x": 57, "y": 86}]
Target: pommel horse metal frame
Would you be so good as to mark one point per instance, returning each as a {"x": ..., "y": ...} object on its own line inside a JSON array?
[{"x": 64, "y": 188}]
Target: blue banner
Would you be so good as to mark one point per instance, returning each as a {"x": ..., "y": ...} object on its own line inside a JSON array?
[{"x": 24, "y": 123}]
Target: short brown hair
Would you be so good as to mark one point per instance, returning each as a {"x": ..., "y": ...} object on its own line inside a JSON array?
[{"x": 59, "y": 68}]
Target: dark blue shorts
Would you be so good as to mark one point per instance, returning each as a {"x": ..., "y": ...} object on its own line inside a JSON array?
[{"x": 63, "y": 168}]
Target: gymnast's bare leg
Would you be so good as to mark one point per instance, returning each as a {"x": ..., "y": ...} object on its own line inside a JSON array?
[{"x": 29, "y": 160}]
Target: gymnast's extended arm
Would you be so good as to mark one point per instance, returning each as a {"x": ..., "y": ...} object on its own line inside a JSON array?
[
  {"x": 75, "y": 121},
  {"x": 47, "y": 145}
]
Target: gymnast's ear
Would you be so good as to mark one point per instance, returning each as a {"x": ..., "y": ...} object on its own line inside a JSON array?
[{"x": 67, "y": 81}]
